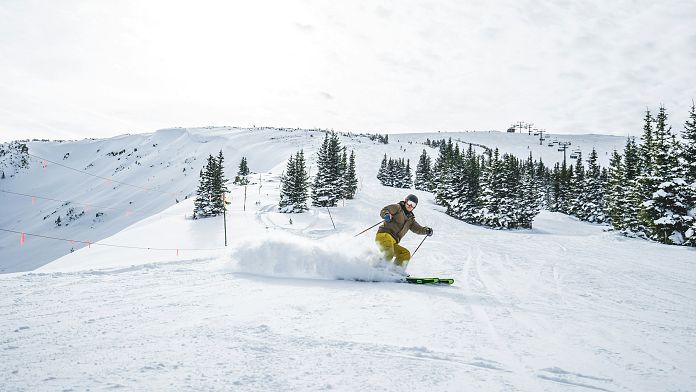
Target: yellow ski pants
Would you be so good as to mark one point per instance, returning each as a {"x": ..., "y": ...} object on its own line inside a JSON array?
[{"x": 391, "y": 250}]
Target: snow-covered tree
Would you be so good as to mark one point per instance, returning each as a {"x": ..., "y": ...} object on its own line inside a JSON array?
[
  {"x": 382, "y": 173},
  {"x": 423, "y": 173},
  {"x": 350, "y": 181},
  {"x": 327, "y": 187},
  {"x": 616, "y": 192},
  {"x": 294, "y": 185},
  {"x": 242, "y": 173}
]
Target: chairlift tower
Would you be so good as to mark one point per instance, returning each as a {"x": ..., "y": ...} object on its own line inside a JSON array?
[
  {"x": 563, "y": 146},
  {"x": 541, "y": 136},
  {"x": 517, "y": 126}
]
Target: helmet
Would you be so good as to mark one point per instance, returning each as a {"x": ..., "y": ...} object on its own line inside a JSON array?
[{"x": 412, "y": 198}]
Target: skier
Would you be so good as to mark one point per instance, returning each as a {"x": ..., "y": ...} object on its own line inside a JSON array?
[{"x": 398, "y": 219}]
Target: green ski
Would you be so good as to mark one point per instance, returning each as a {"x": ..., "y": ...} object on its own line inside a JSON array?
[{"x": 413, "y": 280}]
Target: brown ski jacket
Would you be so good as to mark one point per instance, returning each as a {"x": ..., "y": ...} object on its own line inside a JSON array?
[{"x": 401, "y": 222}]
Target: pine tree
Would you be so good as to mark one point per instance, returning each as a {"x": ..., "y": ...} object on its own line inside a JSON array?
[
  {"x": 294, "y": 185},
  {"x": 647, "y": 181},
  {"x": 301, "y": 188},
  {"x": 423, "y": 173},
  {"x": 632, "y": 208},
  {"x": 529, "y": 202},
  {"x": 663, "y": 209},
  {"x": 342, "y": 169},
  {"x": 543, "y": 178},
  {"x": 577, "y": 189},
  {"x": 464, "y": 188},
  {"x": 287, "y": 184},
  {"x": 591, "y": 207},
  {"x": 408, "y": 175},
  {"x": 382, "y": 174},
  {"x": 510, "y": 195},
  {"x": 326, "y": 190},
  {"x": 218, "y": 184},
  {"x": 491, "y": 185},
  {"x": 616, "y": 192},
  {"x": 350, "y": 181},
  {"x": 203, "y": 204},
  {"x": 392, "y": 172},
  {"x": 688, "y": 158},
  {"x": 242, "y": 173}
]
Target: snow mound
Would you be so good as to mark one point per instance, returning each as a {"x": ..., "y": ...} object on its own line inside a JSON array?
[{"x": 289, "y": 256}]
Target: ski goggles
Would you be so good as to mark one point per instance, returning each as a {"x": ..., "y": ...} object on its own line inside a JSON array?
[{"x": 411, "y": 204}]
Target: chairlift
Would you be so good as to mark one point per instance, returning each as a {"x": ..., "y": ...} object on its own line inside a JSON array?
[
  {"x": 573, "y": 156},
  {"x": 561, "y": 149},
  {"x": 551, "y": 144}
]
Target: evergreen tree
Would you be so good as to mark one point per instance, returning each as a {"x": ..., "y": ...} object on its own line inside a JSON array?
[
  {"x": 632, "y": 208},
  {"x": 688, "y": 152},
  {"x": 301, "y": 188},
  {"x": 287, "y": 182},
  {"x": 342, "y": 169},
  {"x": 408, "y": 175},
  {"x": 326, "y": 190},
  {"x": 350, "y": 181},
  {"x": 616, "y": 192},
  {"x": 577, "y": 189},
  {"x": 529, "y": 202},
  {"x": 561, "y": 179},
  {"x": 218, "y": 184},
  {"x": 383, "y": 174},
  {"x": 688, "y": 159},
  {"x": 646, "y": 182},
  {"x": 392, "y": 172},
  {"x": 242, "y": 173},
  {"x": 294, "y": 185},
  {"x": 591, "y": 207},
  {"x": 665, "y": 208},
  {"x": 543, "y": 178},
  {"x": 204, "y": 203},
  {"x": 491, "y": 186},
  {"x": 423, "y": 174}
]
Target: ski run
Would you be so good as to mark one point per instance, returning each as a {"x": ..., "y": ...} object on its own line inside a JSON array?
[{"x": 157, "y": 302}]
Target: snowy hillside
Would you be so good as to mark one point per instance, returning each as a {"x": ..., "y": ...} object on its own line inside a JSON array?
[
  {"x": 88, "y": 183},
  {"x": 563, "y": 307}
]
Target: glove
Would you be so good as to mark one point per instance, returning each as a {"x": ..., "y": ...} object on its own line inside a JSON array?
[
  {"x": 387, "y": 217},
  {"x": 428, "y": 231}
]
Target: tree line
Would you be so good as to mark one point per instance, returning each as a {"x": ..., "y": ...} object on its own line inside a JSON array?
[
  {"x": 335, "y": 179},
  {"x": 395, "y": 172},
  {"x": 488, "y": 189},
  {"x": 648, "y": 191}
]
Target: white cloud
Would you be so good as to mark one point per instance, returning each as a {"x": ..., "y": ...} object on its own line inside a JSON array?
[{"x": 81, "y": 68}]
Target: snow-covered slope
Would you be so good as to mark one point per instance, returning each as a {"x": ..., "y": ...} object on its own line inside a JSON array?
[
  {"x": 565, "y": 306},
  {"x": 163, "y": 166},
  {"x": 167, "y": 162}
]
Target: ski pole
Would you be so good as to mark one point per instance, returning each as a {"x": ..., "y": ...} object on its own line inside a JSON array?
[
  {"x": 419, "y": 245},
  {"x": 368, "y": 229}
]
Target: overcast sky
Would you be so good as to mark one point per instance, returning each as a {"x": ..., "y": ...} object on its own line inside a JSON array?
[{"x": 74, "y": 69}]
